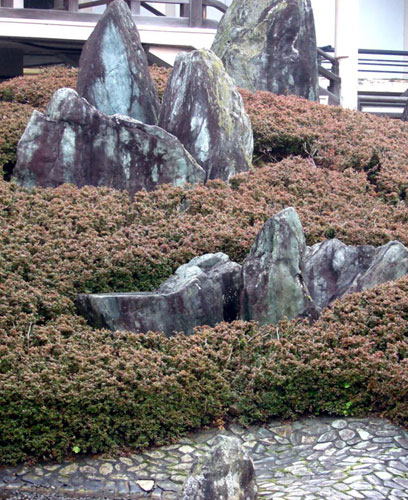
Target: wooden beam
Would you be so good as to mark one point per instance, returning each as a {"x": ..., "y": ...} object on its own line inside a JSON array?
[{"x": 196, "y": 13}]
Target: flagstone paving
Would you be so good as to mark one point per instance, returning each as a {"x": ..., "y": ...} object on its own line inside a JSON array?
[{"x": 310, "y": 459}]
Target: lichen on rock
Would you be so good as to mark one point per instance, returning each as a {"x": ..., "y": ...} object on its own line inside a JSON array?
[
  {"x": 203, "y": 108},
  {"x": 270, "y": 45}
]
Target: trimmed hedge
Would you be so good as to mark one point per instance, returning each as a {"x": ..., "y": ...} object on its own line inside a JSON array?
[
  {"x": 13, "y": 120},
  {"x": 65, "y": 385}
]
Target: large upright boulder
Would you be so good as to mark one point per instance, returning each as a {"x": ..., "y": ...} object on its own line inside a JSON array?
[
  {"x": 270, "y": 45},
  {"x": 202, "y": 107},
  {"x": 227, "y": 473},
  {"x": 75, "y": 143},
  {"x": 204, "y": 291},
  {"x": 274, "y": 284},
  {"x": 113, "y": 73}
]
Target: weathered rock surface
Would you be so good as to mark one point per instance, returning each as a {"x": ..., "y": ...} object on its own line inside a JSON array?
[
  {"x": 273, "y": 273},
  {"x": 202, "y": 107},
  {"x": 270, "y": 45},
  {"x": 113, "y": 71},
  {"x": 389, "y": 263},
  {"x": 203, "y": 292},
  {"x": 331, "y": 267},
  {"x": 334, "y": 269},
  {"x": 226, "y": 474},
  {"x": 75, "y": 143}
]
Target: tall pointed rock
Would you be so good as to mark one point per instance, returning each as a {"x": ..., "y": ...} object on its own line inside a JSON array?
[
  {"x": 113, "y": 71},
  {"x": 270, "y": 45},
  {"x": 204, "y": 110},
  {"x": 273, "y": 275}
]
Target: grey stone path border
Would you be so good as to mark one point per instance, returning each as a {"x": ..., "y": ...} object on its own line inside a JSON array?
[{"x": 310, "y": 459}]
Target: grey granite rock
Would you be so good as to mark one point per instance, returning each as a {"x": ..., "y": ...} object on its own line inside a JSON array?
[
  {"x": 202, "y": 107},
  {"x": 331, "y": 267},
  {"x": 75, "y": 143},
  {"x": 203, "y": 292},
  {"x": 226, "y": 474},
  {"x": 270, "y": 45},
  {"x": 334, "y": 269},
  {"x": 389, "y": 263},
  {"x": 113, "y": 72},
  {"x": 273, "y": 273}
]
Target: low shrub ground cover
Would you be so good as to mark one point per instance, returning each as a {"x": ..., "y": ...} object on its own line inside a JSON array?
[{"x": 64, "y": 385}]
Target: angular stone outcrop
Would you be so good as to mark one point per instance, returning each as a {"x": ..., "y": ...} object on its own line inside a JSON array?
[
  {"x": 334, "y": 269},
  {"x": 202, "y": 107},
  {"x": 113, "y": 71},
  {"x": 331, "y": 268},
  {"x": 389, "y": 263},
  {"x": 226, "y": 474},
  {"x": 203, "y": 292},
  {"x": 273, "y": 273},
  {"x": 270, "y": 45},
  {"x": 75, "y": 143}
]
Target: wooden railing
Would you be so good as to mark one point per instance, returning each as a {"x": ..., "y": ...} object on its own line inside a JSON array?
[
  {"x": 192, "y": 11},
  {"x": 328, "y": 67}
]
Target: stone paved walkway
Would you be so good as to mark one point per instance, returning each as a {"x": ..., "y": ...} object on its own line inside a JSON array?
[{"x": 309, "y": 459}]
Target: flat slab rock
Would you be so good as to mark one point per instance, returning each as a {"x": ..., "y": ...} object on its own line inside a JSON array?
[
  {"x": 204, "y": 291},
  {"x": 113, "y": 71},
  {"x": 203, "y": 108},
  {"x": 75, "y": 143},
  {"x": 270, "y": 45}
]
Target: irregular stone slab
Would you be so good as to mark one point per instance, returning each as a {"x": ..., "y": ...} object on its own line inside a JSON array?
[
  {"x": 75, "y": 143},
  {"x": 270, "y": 45},
  {"x": 203, "y": 108},
  {"x": 334, "y": 269},
  {"x": 389, "y": 263},
  {"x": 113, "y": 72},
  {"x": 273, "y": 273},
  {"x": 226, "y": 474},
  {"x": 331, "y": 267},
  {"x": 204, "y": 291}
]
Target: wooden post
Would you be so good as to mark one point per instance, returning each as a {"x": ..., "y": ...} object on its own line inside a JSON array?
[
  {"x": 196, "y": 13},
  {"x": 335, "y": 86},
  {"x": 73, "y": 5},
  {"x": 184, "y": 10}
]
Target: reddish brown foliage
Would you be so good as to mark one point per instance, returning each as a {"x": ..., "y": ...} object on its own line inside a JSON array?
[{"x": 63, "y": 384}]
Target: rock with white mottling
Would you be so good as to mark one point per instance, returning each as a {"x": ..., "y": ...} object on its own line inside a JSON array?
[
  {"x": 75, "y": 143},
  {"x": 113, "y": 72},
  {"x": 273, "y": 274},
  {"x": 202, "y": 107},
  {"x": 270, "y": 45}
]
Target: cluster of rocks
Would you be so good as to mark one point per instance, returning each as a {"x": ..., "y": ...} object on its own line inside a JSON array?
[
  {"x": 112, "y": 132},
  {"x": 281, "y": 277}
]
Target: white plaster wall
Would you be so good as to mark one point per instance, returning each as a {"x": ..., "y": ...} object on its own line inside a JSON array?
[
  {"x": 324, "y": 14},
  {"x": 383, "y": 23}
]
